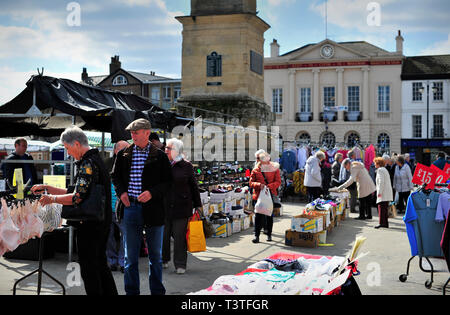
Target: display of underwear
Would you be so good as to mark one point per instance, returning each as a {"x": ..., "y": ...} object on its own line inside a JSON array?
[{"x": 24, "y": 220}]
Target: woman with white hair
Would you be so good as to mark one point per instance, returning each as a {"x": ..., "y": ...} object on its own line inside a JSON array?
[
  {"x": 181, "y": 199},
  {"x": 92, "y": 236},
  {"x": 313, "y": 176}
]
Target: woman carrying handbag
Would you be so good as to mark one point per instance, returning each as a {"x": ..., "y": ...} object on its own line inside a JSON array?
[{"x": 265, "y": 174}]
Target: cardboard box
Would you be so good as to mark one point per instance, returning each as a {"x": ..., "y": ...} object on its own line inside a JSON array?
[
  {"x": 299, "y": 239},
  {"x": 307, "y": 223},
  {"x": 220, "y": 230},
  {"x": 304, "y": 223},
  {"x": 236, "y": 225},
  {"x": 245, "y": 222}
]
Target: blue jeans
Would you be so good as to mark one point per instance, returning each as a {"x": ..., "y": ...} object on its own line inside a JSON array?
[
  {"x": 114, "y": 247},
  {"x": 133, "y": 226}
]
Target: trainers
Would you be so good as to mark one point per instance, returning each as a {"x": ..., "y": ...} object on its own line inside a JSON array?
[
  {"x": 165, "y": 265},
  {"x": 180, "y": 271}
]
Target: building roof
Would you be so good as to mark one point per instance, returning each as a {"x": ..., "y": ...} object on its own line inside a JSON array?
[
  {"x": 147, "y": 78},
  {"x": 142, "y": 77},
  {"x": 362, "y": 47},
  {"x": 426, "y": 67}
]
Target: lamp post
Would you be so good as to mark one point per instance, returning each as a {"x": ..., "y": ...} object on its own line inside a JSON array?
[{"x": 422, "y": 90}]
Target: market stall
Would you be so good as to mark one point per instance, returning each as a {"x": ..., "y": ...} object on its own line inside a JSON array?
[
  {"x": 287, "y": 273},
  {"x": 48, "y": 105}
]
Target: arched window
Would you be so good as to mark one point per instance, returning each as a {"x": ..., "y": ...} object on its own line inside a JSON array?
[
  {"x": 353, "y": 139},
  {"x": 304, "y": 137},
  {"x": 384, "y": 142},
  {"x": 120, "y": 80},
  {"x": 328, "y": 139}
]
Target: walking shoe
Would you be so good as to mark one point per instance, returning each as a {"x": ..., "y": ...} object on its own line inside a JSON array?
[
  {"x": 255, "y": 240},
  {"x": 180, "y": 271},
  {"x": 165, "y": 265},
  {"x": 269, "y": 238},
  {"x": 360, "y": 218}
]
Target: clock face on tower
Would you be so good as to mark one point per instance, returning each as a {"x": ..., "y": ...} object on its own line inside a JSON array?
[{"x": 327, "y": 51}]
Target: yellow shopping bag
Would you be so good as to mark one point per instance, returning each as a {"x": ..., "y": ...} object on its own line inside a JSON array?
[{"x": 195, "y": 237}]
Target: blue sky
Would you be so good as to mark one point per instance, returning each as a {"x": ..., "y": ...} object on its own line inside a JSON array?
[{"x": 148, "y": 38}]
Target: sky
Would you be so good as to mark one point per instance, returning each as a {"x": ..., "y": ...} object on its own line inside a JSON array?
[{"x": 64, "y": 36}]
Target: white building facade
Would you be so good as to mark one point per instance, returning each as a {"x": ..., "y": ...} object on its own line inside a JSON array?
[
  {"x": 337, "y": 94},
  {"x": 426, "y": 106}
]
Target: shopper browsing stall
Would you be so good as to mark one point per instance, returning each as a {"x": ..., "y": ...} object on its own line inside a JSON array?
[
  {"x": 91, "y": 235},
  {"x": 313, "y": 175},
  {"x": 384, "y": 191},
  {"x": 182, "y": 197},
  {"x": 365, "y": 187},
  {"x": 402, "y": 182},
  {"x": 265, "y": 173}
]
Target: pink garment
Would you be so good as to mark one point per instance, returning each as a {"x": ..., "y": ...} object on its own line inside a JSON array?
[
  {"x": 369, "y": 155},
  {"x": 10, "y": 234}
]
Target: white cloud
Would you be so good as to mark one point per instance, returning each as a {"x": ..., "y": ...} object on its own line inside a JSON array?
[
  {"x": 394, "y": 14},
  {"x": 14, "y": 82},
  {"x": 439, "y": 48}
]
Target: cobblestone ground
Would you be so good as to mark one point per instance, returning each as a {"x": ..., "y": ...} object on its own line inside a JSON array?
[{"x": 388, "y": 253}]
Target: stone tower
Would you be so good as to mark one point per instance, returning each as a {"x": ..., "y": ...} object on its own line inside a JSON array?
[{"x": 222, "y": 61}]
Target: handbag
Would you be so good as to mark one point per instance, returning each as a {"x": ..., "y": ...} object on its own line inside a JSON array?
[
  {"x": 195, "y": 237},
  {"x": 91, "y": 209},
  {"x": 276, "y": 199}
]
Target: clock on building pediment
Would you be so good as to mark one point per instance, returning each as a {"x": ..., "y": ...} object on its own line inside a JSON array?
[{"x": 327, "y": 51}]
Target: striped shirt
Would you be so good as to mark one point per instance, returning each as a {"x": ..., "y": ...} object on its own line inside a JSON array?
[{"x": 137, "y": 167}]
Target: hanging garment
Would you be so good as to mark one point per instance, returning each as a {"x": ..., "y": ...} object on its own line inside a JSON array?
[
  {"x": 445, "y": 242},
  {"x": 288, "y": 161},
  {"x": 9, "y": 233},
  {"x": 443, "y": 206},
  {"x": 302, "y": 156},
  {"x": 424, "y": 233}
]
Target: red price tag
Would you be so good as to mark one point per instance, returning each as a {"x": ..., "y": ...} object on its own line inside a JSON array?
[
  {"x": 441, "y": 176},
  {"x": 447, "y": 168},
  {"x": 424, "y": 175}
]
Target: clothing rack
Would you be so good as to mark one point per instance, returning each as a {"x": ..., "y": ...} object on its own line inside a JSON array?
[
  {"x": 40, "y": 269},
  {"x": 428, "y": 283}
]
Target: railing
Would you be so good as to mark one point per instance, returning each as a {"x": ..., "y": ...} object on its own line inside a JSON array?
[
  {"x": 352, "y": 116},
  {"x": 303, "y": 117},
  {"x": 330, "y": 116}
]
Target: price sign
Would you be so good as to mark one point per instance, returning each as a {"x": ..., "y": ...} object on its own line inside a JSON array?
[
  {"x": 424, "y": 175},
  {"x": 447, "y": 168},
  {"x": 441, "y": 176}
]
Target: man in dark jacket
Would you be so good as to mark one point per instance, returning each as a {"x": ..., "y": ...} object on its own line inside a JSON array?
[
  {"x": 141, "y": 176},
  {"x": 28, "y": 170},
  {"x": 335, "y": 169}
]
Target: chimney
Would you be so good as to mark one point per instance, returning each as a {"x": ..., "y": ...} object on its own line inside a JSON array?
[
  {"x": 114, "y": 65},
  {"x": 274, "y": 49},
  {"x": 84, "y": 75},
  {"x": 399, "y": 43}
]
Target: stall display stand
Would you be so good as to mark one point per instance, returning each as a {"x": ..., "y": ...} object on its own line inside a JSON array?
[
  {"x": 428, "y": 283},
  {"x": 40, "y": 271}
]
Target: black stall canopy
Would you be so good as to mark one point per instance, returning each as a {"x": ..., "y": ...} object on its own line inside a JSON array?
[{"x": 49, "y": 105}]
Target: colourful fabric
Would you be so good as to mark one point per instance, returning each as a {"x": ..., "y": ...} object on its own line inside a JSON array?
[{"x": 369, "y": 156}]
